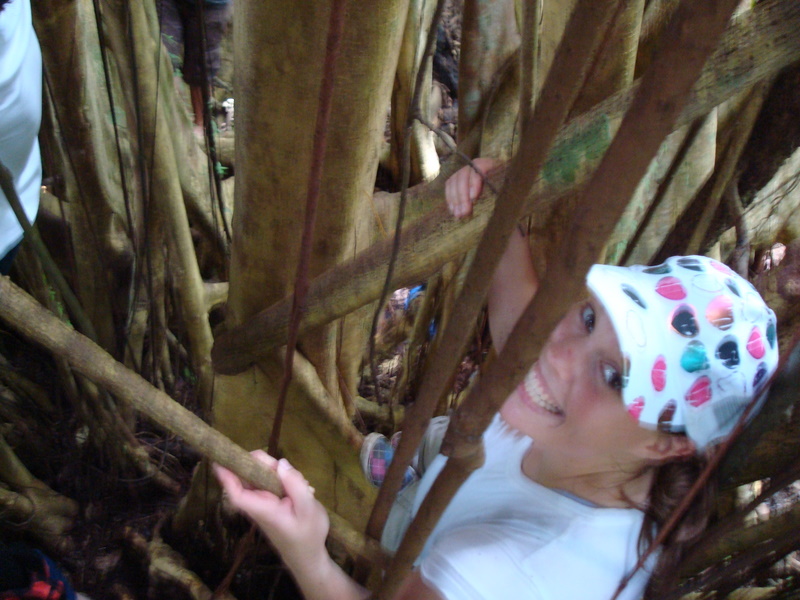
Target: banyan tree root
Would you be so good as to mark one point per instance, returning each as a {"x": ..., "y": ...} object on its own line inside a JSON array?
[
  {"x": 167, "y": 569},
  {"x": 30, "y": 505},
  {"x": 383, "y": 414},
  {"x": 40, "y": 514}
]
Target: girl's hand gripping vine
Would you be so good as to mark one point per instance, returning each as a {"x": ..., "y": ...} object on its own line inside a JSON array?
[{"x": 465, "y": 185}]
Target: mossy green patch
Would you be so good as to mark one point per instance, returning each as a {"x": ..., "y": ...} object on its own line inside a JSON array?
[{"x": 577, "y": 152}]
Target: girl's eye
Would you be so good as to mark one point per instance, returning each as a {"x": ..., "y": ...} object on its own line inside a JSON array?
[
  {"x": 612, "y": 377},
  {"x": 587, "y": 315}
]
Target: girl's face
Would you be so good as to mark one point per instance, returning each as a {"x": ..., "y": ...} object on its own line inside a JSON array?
[{"x": 570, "y": 400}]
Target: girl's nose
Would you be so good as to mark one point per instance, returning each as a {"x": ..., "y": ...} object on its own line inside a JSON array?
[{"x": 561, "y": 355}]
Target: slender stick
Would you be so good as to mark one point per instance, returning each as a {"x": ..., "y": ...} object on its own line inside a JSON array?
[{"x": 529, "y": 57}]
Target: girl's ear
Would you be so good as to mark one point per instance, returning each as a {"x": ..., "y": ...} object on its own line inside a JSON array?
[{"x": 670, "y": 446}]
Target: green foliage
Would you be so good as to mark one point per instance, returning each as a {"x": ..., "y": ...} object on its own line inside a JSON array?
[
  {"x": 55, "y": 299},
  {"x": 189, "y": 375}
]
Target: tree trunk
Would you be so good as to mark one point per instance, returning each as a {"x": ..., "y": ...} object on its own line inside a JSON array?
[{"x": 280, "y": 85}]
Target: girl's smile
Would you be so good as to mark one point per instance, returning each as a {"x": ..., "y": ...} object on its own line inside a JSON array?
[{"x": 532, "y": 393}]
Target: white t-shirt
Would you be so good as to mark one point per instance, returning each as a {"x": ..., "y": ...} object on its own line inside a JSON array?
[
  {"x": 505, "y": 536},
  {"x": 20, "y": 116}
]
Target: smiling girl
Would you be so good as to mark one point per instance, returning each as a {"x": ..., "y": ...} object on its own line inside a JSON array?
[{"x": 590, "y": 453}]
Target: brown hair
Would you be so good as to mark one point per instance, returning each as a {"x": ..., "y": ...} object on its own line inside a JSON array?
[{"x": 671, "y": 484}]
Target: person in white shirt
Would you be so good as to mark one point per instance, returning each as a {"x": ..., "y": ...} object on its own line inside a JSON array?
[
  {"x": 20, "y": 117},
  {"x": 591, "y": 451}
]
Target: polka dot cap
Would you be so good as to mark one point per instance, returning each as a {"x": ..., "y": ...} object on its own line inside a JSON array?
[{"x": 697, "y": 341}]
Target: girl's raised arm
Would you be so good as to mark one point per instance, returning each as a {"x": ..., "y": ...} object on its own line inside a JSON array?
[{"x": 515, "y": 281}]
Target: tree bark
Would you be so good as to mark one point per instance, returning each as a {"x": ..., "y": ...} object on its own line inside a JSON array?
[
  {"x": 489, "y": 36},
  {"x": 424, "y": 160},
  {"x": 85, "y": 148},
  {"x": 279, "y": 74}
]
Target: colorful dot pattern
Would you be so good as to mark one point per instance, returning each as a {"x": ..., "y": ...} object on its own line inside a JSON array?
[{"x": 698, "y": 343}]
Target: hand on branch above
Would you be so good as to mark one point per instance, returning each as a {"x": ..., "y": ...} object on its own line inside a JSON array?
[
  {"x": 515, "y": 281},
  {"x": 465, "y": 185}
]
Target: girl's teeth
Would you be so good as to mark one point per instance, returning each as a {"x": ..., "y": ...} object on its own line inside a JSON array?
[{"x": 537, "y": 394}]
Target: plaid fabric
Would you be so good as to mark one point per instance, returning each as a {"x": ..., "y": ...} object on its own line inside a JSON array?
[{"x": 376, "y": 456}]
